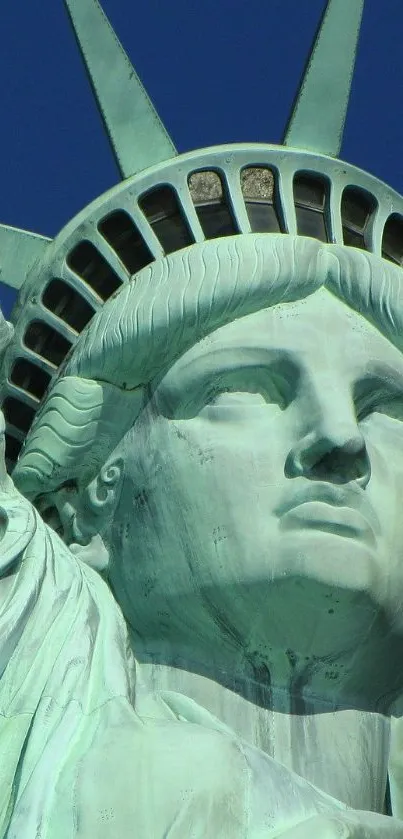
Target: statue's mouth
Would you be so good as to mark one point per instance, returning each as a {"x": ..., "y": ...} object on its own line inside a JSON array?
[
  {"x": 342, "y": 510},
  {"x": 319, "y": 515}
]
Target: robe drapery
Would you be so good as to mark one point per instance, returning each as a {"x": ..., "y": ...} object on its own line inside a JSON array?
[{"x": 76, "y": 759}]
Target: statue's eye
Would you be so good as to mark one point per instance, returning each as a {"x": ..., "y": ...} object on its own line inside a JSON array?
[
  {"x": 379, "y": 399},
  {"x": 249, "y": 388},
  {"x": 221, "y": 390},
  {"x": 236, "y": 398},
  {"x": 392, "y": 407},
  {"x": 231, "y": 405}
]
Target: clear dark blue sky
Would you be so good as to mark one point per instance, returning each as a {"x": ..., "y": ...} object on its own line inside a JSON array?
[{"x": 217, "y": 70}]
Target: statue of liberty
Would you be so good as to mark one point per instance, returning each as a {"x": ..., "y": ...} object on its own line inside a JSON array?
[{"x": 201, "y": 575}]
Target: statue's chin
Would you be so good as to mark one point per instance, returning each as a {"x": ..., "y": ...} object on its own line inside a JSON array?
[{"x": 335, "y": 557}]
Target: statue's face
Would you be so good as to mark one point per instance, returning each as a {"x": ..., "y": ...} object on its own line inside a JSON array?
[{"x": 266, "y": 476}]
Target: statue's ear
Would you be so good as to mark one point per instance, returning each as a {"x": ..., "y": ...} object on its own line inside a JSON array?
[{"x": 84, "y": 513}]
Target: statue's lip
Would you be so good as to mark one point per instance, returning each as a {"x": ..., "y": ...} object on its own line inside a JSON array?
[{"x": 350, "y": 502}]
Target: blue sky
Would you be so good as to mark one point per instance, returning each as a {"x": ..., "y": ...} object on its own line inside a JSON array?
[{"x": 217, "y": 70}]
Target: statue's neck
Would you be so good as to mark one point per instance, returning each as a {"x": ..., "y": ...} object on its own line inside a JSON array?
[{"x": 343, "y": 752}]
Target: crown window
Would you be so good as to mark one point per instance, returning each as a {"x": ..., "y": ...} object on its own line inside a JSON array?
[
  {"x": 392, "y": 242},
  {"x": 30, "y": 378},
  {"x": 43, "y": 340},
  {"x": 211, "y": 205},
  {"x": 357, "y": 210},
  {"x": 164, "y": 213},
  {"x": 122, "y": 235},
  {"x": 258, "y": 189},
  {"x": 67, "y": 304},
  {"x": 18, "y": 413},
  {"x": 91, "y": 266},
  {"x": 310, "y": 198}
]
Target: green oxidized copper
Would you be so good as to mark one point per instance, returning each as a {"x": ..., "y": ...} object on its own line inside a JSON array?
[
  {"x": 317, "y": 119},
  {"x": 138, "y": 138},
  {"x": 203, "y": 397}
]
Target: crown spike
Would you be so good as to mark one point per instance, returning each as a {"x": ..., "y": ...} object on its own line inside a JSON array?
[
  {"x": 137, "y": 135},
  {"x": 19, "y": 250},
  {"x": 318, "y": 116}
]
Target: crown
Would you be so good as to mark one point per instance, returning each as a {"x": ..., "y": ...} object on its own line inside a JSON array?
[{"x": 167, "y": 201}]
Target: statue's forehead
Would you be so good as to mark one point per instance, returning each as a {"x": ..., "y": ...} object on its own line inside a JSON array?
[
  {"x": 302, "y": 320},
  {"x": 317, "y": 326}
]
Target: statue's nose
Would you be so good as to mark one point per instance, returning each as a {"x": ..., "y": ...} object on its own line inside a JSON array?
[{"x": 331, "y": 447}]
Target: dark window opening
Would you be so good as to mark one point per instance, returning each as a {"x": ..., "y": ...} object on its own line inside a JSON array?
[
  {"x": 310, "y": 198},
  {"x": 258, "y": 189},
  {"x": 392, "y": 242},
  {"x": 88, "y": 263},
  {"x": 13, "y": 447},
  {"x": 49, "y": 514},
  {"x": 163, "y": 211},
  {"x": 211, "y": 205},
  {"x": 353, "y": 238},
  {"x": 67, "y": 304},
  {"x": 43, "y": 340},
  {"x": 215, "y": 221},
  {"x": 122, "y": 235},
  {"x": 18, "y": 413},
  {"x": 29, "y": 377},
  {"x": 357, "y": 209}
]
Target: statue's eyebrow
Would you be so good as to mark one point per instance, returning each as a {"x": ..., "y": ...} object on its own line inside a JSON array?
[{"x": 216, "y": 358}]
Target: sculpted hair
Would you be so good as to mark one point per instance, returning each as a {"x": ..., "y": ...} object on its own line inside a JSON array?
[
  {"x": 372, "y": 287},
  {"x": 165, "y": 309}
]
